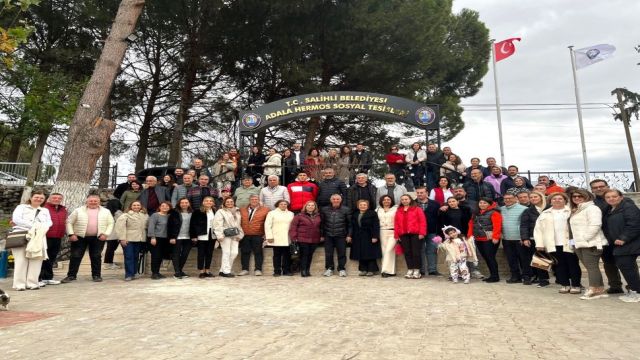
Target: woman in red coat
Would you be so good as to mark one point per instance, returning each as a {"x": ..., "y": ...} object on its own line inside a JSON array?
[
  {"x": 410, "y": 227},
  {"x": 305, "y": 230},
  {"x": 486, "y": 229}
]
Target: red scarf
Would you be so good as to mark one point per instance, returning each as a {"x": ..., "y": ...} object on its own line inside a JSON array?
[{"x": 439, "y": 195}]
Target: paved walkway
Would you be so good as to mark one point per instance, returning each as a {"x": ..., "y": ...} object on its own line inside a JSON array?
[{"x": 313, "y": 318}]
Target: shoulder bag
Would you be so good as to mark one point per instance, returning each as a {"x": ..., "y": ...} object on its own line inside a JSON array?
[{"x": 19, "y": 238}]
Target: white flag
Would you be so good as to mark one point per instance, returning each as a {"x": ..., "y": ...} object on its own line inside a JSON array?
[{"x": 593, "y": 54}]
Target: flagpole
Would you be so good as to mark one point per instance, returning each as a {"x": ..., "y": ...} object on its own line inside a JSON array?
[
  {"x": 495, "y": 84},
  {"x": 579, "y": 107}
]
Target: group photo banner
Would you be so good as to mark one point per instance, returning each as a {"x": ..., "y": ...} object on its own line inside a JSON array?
[{"x": 389, "y": 107}]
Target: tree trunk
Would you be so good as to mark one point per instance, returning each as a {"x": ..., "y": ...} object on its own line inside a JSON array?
[
  {"x": 312, "y": 130},
  {"x": 624, "y": 116},
  {"x": 14, "y": 151},
  {"x": 32, "y": 173},
  {"x": 89, "y": 133},
  {"x": 105, "y": 160},
  {"x": 145, "y": 129},
  {"x": 186, "y": 101},
  {"x": 260, "y": 139}
]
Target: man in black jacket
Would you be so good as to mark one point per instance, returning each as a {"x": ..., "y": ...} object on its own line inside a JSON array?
[
  {"x": 430, "y": 208},
  {"x": 435, "y": 158},
  {"x": 476, "y": 188},
  {"x": 336, "y": 233},
  {"x": 362, "y": 159},
  {"x": 329, "y": 186},
  {"x": 361, "y": 190},
  {"x": 121, "y": 188}
]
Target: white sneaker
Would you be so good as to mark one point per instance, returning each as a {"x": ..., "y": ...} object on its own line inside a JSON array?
[
  {"x": 466, "y": 281},
  {"x": 455, "y": 281},
  {"x": 51, "y": 282},
  {"x": 409, "y": 274},
  {"x": 42, "y": 284},
  {"x": 343, "y": 273},
  {"x": 477, "y": 275},
  {"x": 243, "y": 273},
  {"x": 257, "y": 273},
  {"x": 416, "y": 274},
  {"x": 631, "y": 297},
  {"x": 327, "y": 273}
]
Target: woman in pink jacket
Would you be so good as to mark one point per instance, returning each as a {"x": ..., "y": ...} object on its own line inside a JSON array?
[{"x": 305, "y": 230}]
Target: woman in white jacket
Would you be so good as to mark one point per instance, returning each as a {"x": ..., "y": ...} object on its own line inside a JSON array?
[
  {"x": 228, "y": 218},
  {"x": 273, "y": 165},
  {"x": 588, "y": 240},
  {"x": 552, "y": 234},
  {"x": 276, "y": 230},
  {"x": 30, "y": 217},
  {"x": 386, "y": 215}
]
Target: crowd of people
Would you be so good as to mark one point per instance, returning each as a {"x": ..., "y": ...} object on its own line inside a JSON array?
[{"x": 430, "y": 203}]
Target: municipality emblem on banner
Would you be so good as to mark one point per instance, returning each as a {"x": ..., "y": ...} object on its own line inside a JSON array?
[
  {"x": 593, "y": 54},
  {"x": 425, "y": 115},
  {"x": 251, "y": 120}
]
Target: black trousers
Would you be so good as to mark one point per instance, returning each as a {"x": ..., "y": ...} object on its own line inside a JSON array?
[
  {"x": 157, "y": 253},
  {"x": 370, "y": 265},
  {"x": 338, "y": 243},
  {"x": 519, "y": 259},
  {"x": 251, "y": 244},
  {"x": 629, "y": 268},
  {"x": 180, "y": 254},
  {"x": 53, "y": 248},
  {"x": 610, "y": 268},
  {"x": 488, "y": 251},
  {"x": 417, "y": 176},
  {"x": 79, "y": 247},
  {"x": 205, "y": 253},
  {"x": 112, "y": 245},
  {"x": 412, "y": 247},
  {"x": 281, "y": 260},
  {"x": 568, "y": 271},
  {"x": 306, "y": 255}
]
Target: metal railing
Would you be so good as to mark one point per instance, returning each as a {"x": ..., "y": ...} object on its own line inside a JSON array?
[{"x": 15, "y": 174}]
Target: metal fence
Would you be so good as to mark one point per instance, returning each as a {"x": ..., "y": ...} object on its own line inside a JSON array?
[{"x": 16, "y": 174}]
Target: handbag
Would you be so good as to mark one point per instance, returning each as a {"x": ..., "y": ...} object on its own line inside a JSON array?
[
  {"x": 543, "y": 261},
  {"x": 294, "y": 249},
  {"x": 16, "y": 239},
  {"x": 232, "y": 231}
]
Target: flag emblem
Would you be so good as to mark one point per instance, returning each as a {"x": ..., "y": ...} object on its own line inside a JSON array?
[
  {"x": 251, "y": 120},
  {"x": 593, "y": 54},
  {"x": 425, "y": 115},
  {"x": 504, "y": 48}
]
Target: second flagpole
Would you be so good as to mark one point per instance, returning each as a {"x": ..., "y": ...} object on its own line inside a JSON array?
[
  {"x": 579, "y": 107},
  {"x": 495, "y": 83}
]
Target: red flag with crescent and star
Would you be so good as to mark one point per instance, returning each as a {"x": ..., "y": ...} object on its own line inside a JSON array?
[{"x": 504, "y": 48}]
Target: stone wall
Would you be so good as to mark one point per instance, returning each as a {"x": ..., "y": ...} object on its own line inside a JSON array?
[{"x": 10, "y": 196}]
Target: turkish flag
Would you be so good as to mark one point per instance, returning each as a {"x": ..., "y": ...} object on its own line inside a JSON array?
[{"x": 504, "y": 48}]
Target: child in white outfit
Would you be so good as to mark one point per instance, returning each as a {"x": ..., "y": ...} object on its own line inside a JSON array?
[{"x": 459, "y": 250}]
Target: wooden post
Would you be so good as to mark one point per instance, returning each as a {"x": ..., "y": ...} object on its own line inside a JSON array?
[{"x": 625, "y": 122}]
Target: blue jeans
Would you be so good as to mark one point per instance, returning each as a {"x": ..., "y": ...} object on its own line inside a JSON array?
[
  {"x": 131, "y": 252},
  {"x": 430, "y": 254}
]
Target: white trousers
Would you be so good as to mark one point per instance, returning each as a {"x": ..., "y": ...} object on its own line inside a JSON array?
[
  {"x": 229, "y": 252},
  {"x": 388, "y": 244},
  {"x": 26, "y": 271}
]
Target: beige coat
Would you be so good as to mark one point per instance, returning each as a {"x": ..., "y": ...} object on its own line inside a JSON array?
[
  {"x": 132, "y": 226},
  {"x": 77, "y": 222},
  {"x": 544, "y": 232},
  {"x": 276, "y": 227},
  {"x": 586, "y": 226},
  {"x": 224, "y": 219}
]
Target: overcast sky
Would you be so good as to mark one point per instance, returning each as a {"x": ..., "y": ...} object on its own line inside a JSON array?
[{"x": 540, "y": 72}]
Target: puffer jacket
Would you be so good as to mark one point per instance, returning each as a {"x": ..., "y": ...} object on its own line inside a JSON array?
[
  {"x": 224, "y": 219},
  {"x": 492, "y": 219},
  {"x": 328, "y": 187},
  {"x": 300, "y": 192},
  {"x": 132, "y": 226},
  {"x": 336, "y": 222},
  {"x": 475, "y": 190},
  {"x": 544, "y": 232},
  {"x": 623, "y": 223},
  {"x": 411, "y": 221},
  {"x": 305, "y": 228},
  {"x": 586, "y": 226}
]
